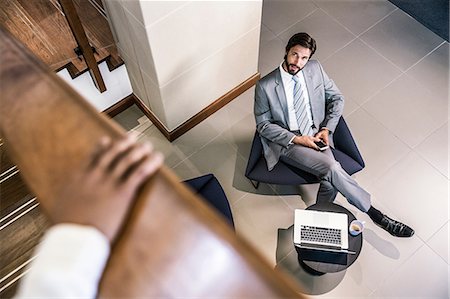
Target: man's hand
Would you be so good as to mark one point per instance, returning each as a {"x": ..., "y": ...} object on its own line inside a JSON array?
[
  {"x": 101, "y": 194},
  {"x": 307, "y": 141},
  {"x": 323, "y": 134}
]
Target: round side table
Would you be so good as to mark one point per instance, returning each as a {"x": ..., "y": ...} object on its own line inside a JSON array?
[{"x": 321, "y": 262}]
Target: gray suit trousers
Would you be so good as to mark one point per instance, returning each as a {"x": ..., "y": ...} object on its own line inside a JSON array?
[{"x": 333, "y": 177}]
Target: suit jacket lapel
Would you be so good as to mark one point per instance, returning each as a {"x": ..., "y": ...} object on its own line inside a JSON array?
[
  {"x": 279, "y": 88},
  {"x": 312, "y": 100}
]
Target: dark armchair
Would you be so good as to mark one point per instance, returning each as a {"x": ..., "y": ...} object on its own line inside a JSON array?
[
  {"x": 210, "y": 189},
  {"x": 345, "y": 151}
]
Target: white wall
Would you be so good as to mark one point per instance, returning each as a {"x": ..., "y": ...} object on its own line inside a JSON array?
[
  {"x": 183, "y": 55},
  {"x": 117, "y": 86}
]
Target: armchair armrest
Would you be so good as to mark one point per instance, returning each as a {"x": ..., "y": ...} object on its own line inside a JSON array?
[
  {"x": 255, "y": 154},
  {"x": 344, "y": 142}
]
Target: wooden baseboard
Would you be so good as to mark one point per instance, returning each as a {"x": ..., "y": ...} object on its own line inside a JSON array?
[
  {"x": 158, "y": 124},
  {"x": 121, "y": 106},
  {"x": 193, "y": 121},
  {"x": 214, "y": 107}
]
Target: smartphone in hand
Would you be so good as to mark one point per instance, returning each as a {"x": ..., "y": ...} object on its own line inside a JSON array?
[{"x": 322, "y": 146}]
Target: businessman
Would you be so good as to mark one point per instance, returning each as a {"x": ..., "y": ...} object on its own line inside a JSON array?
[{"x": 297, "y": 105}]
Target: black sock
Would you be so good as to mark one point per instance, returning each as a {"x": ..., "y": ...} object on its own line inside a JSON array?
[{"x": 375, "y": 215}]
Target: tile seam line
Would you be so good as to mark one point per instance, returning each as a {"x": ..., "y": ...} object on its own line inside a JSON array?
[
  {"x": 411, "y": 148},
  {"x": 240, "y": 199},
  {"x": 285, "y": 257},
  {"x": 356, "y": 36},
  {"x": 379, "y": 176},
  {"x": 300, "y": 20},
  {"x": 232, "y": 205},
  {"x": 374, "y": 49},
  {"x": 432, "y": 166},
  {"x": 364, "y": 31},
  {"x": 390, "y": 131},
  {"x": 416, "y": 147},
  {"x": 285, "y": 202},
  {"x": 378, "y": 22},
  {"x": 236, "y": 202},
  {"x": 373, "y": 184},
  {"x": 403, "y": 72},
  {"x": 439, "y": 256},
  {"x": 395, "y": 65},
  {"x": 140, "y": 126},
  {"x": 135, "y": 59},
  {"x": 396, "y": 269},
  {"x": 434, "y": 234},
  {"x": 199, "y": 149},
  {"x": 425, "y": 56},
  {"x": 270, "y": 30},
  {"x": 339, "y": 49},
  {"x": 379, "y": 90},
  {"x": 158, "y": 20},
  {"x": 399, "y": 160},
  {"x": 381, "y": 55}
]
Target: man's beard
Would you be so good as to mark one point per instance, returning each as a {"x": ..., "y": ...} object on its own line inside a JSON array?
[{"x": 293, "y": 73}]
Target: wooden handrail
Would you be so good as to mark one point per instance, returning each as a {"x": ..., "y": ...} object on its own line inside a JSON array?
[{"x": 172, "y": 245}]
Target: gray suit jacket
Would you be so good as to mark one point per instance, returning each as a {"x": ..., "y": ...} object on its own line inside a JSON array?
[{"x": 271, "y": 113}]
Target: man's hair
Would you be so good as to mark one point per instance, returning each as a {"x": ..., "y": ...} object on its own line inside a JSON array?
[{"x": 303, "y": 39}]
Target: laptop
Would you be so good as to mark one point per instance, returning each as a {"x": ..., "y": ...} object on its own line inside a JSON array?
[{"x": 319, "y": 230}]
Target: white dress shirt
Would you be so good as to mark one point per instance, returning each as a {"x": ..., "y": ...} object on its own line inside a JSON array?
[
  {"x": 288, "y": 84},
  {"x": 70, "y": 262}
]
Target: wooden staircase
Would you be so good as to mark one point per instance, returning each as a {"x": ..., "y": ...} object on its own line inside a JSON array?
[
  {"x": 43, "y": 28},
  {"x": 21, "y": 225}
]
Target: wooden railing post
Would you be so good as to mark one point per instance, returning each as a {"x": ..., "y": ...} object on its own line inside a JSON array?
[
  {"x": 173, "y": 244},
  {"x": 83, "y": 43}
]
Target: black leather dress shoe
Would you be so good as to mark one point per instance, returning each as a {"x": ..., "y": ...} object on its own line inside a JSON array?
[{"x": 395, "y": 228}]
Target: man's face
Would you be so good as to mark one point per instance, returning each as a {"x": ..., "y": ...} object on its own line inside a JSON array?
[{"x": 296, "y": 59}]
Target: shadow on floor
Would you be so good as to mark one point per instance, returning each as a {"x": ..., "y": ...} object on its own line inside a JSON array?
[{"x": 287, "y": 262}]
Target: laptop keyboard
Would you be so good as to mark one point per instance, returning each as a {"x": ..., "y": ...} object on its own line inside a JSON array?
[{"x": 320, "y": 234}]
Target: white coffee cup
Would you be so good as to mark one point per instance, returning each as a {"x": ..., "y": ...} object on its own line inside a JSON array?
[{"x": 356, "y": 227}]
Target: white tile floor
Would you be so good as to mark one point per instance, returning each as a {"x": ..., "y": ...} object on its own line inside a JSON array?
[{"x": 394, "y": 73}]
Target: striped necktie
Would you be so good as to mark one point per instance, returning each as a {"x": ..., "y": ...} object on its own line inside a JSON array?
[{"x": 303, "y": 120}]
